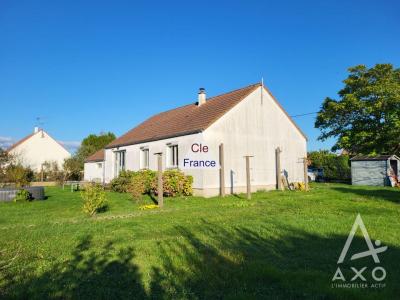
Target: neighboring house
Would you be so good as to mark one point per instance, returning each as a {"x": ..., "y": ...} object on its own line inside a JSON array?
[
  {"x": 37, "y": 148},
  {"x": 93, "y": 168},
  {"x": 248, "y": 121},
  {"x": 374, "y": 170}
]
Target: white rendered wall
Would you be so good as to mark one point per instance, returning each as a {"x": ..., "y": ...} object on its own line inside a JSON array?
[
  {"x": 93, "y": 171},
  {"x": 38, "y": 149},
  {"x": 132, "y": 158},
  {"x": 256, "y": 127}
]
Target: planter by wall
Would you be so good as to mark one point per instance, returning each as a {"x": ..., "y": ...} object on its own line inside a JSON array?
[{"x": 8, "y": 194}]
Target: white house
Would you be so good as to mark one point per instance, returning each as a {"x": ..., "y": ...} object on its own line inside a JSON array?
[
  {"x": 248, "y": 122},
  {"x": 93, "y": 167},
  {"x": 39, "y": 147}
]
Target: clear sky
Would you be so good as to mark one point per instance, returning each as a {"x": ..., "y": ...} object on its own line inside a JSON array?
[{"x": 91, "y": 66}]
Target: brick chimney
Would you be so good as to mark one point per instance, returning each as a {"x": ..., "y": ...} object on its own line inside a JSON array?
[{"x": 202, "y": 96}]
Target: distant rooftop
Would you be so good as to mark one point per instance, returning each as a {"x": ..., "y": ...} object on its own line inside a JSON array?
[{"x": 375, "y": 157}]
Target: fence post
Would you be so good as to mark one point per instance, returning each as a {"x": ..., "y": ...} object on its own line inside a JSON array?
[
  {"x": 305, "y": 173},
  {"x": 221, "y": 170},
  {"x": 248, "y": 186},
  {"x": 160, "y": 190},
  {"x": 278, "y": 169}
]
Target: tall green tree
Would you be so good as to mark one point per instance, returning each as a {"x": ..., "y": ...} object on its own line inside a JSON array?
[
  {"x": 92, "y": 143},
  {"x": 366, "y": 117}
]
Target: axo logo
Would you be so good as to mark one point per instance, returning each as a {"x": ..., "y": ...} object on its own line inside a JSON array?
[{"x": 358, "y": 279}]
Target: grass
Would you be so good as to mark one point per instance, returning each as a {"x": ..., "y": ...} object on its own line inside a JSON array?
[{"x": 277, "y": 245}]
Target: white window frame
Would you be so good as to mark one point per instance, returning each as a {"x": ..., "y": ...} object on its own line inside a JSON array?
[
  {"x": 144, "y": 158},
  {"x": 119, "y": 161},
  {"x": 172, "y": 156}
]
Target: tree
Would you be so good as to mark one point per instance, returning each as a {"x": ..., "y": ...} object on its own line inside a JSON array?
[
  {"x": 335, "y": 167},
  {"x": 5, "y": 160},
  {"x": 366, "y": 118},
  {"x": 92, "y": 143},
  {"x": 72, "y": 169}
]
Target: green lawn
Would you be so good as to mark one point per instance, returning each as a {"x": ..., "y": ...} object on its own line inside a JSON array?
[{"x": 277, "y": 245}]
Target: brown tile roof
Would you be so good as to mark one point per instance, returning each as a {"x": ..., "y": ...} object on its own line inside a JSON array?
[
  {"x": 20, "y": 142},
  {"x": 188, "y": 119},
  {"x": 97, "y": 156}
]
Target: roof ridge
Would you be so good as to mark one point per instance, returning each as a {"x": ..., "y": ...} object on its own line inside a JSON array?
[{"x": 233, "y": 91}]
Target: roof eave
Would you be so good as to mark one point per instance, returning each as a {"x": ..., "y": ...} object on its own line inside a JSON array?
[
  {"x": 155, "y": 139},
  {"x": 94, "y": 160}
]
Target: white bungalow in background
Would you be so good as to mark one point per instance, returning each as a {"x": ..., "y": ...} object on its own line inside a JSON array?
[
  {"x": 38, "y": 147},
  {"x": 248, "y": 122},
  {"x": 93, "y": 168}
]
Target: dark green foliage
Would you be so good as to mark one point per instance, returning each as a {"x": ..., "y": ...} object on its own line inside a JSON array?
[
  {"x": 22, "y": 196},
  {"x": 366, "y": 118},
  {"x": 93, "y": 143},
  {"x": 335, "y": 167},
  {"x": 121, "y": 183}
]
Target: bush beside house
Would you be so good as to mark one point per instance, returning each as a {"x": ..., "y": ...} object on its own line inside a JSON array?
[{"x": 175, "y": 183}]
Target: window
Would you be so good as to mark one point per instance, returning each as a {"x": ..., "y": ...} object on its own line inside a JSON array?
[
  {"x": 99, "y": 165},
  {"x": 119, "y": 162},
  {"x": 173, "y": 158},
  {"x": 144, "y": 158}
]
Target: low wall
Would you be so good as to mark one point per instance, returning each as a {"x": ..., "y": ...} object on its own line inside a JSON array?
[{"x": 44, "y": 183}]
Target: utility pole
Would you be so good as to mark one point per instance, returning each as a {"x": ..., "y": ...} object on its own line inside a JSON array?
[
  {"x": 221, "y": 171},
  {"x": 160, "y": 190}
]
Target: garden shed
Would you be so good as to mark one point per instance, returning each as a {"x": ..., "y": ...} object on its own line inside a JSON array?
[{"x": 374, "y": 170}]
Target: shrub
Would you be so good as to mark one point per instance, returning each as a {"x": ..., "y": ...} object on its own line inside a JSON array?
[
  {"x": 175, "y": 183},
  {"x": 137, "y": 187},
  {"x": 141, "y": 183},
  {"x": 19, "y": 175},
  {"x": 50, "y": 172},
  {"x": 335, "y": 167},
  {"x": 22, "y": 196},
  {"x": 122, "y": 182},
  {"x": 148, "y": 178},
  {"x": 94, "y": 199}
]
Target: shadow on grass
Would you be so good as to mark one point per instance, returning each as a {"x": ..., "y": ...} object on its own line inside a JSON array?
[
  {"x": 387, "y": 194},
  {"x": 213, "y": 263},
  {"x": 153, "y": 198}
]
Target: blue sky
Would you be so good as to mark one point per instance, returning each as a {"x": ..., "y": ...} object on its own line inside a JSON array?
[{"x": 91, "y": 66}]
